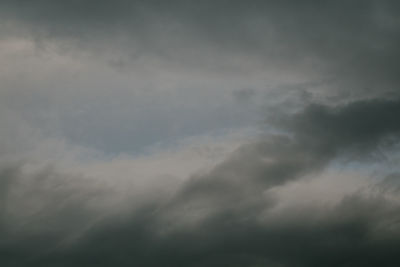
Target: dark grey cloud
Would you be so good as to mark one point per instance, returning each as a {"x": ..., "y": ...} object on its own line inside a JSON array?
[
  {"x": 338, "y": 49},
  {"x": 342, "y": 236},
  {"x": 360, "y": 124},
  {"x": 361, "y": 230},
  {"x": 314, "y": 137},
  {"x": 345, "y": 240},
  {"x": 354, "y": 43},
  {"x": 224, "y": 217}
]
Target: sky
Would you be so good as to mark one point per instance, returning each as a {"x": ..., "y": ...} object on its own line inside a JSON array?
[{"x": 199, "y": 133}]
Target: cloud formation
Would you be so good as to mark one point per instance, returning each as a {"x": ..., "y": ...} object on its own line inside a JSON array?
[
  {"x": 354, "y": 44},
  {"x": 188, "y": 133},
  {"x": 229, "y": 216}
]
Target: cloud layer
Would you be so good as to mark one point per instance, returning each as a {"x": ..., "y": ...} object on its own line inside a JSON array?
[
  {"x": 231, "y": 215},
  {"x": 187, "y": 133}
]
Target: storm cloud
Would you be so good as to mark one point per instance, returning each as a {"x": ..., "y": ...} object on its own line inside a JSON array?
[
  {"x": 351, "y": 43},
  {"x": 227, "y": 215},
  {"x": 188, "y": 133}
]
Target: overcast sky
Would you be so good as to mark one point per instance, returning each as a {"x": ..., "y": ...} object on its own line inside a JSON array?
[{"x": 199, "y": 133}]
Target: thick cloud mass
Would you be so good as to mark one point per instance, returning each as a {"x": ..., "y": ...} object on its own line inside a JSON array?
[
  {"x": 352, "y": 43},
  {"x": 199, "y": 133},
  {"x": 226, "y": 217}
]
